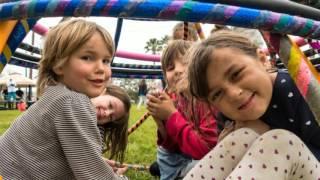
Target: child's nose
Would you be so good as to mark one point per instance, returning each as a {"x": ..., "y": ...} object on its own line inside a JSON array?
[
  {"x": 108, "y": 113},
  {"x": 100, "y": 66},
  {"x": 234, "y": 92},
  {"x": 177, "y": 72}
]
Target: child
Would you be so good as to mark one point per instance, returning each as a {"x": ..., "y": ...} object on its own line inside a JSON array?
[
  {"x": 21, "y": 106},
  {"x": 58, "y": 137},
  {"x": 178, "y": 32},
  {"x": 187, "y": 129},
  {"x": 229, "y": 71},
  {"x": 113, "y": 108}
]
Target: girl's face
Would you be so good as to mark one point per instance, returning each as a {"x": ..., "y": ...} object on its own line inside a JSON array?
[
  {"x": 88, "y": 68},
  {"x": 174, "y": 73},
  {"x": 108, "y": 108},
  {"x": 239, "y": 85}
]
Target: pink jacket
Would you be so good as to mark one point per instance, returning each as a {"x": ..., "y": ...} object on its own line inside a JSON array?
[{"x": 182, "y": 137}]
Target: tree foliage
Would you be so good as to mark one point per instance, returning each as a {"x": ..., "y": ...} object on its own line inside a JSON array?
[{"x": 156, "y": 45}]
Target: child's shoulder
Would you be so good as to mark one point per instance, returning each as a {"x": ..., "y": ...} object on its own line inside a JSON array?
[
  {"x": 284, "y": 79},
  {"x": 60, "y": 93},
  {"x": 285, "y": 89}
]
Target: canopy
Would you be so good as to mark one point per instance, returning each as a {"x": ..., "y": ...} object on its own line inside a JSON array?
[{"x": 21, "y": 81}]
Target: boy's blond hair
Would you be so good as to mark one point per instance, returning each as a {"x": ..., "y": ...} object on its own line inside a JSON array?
[{"x": 61, "y": 42}]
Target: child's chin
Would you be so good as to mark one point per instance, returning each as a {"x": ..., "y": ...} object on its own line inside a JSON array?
[
  {"x": 102, "y": 121},
  {"x": 95, "y": 94}
]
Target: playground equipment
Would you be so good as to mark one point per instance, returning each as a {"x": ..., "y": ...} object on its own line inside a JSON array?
[{"x": 280, "y": 17}]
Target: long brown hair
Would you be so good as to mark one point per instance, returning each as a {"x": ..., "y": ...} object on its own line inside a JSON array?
[
  {"x": 116, "y": 132},
  {"x": 61, "y": 42},
  {"x": 203, "y": 53}
]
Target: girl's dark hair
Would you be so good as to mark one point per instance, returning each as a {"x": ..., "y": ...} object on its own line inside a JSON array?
[
  {"x": 116, "y": 132},
  {"x": 202, "y": 54}
]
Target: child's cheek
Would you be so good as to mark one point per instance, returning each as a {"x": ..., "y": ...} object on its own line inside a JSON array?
[{"x": 99, "y": 113}]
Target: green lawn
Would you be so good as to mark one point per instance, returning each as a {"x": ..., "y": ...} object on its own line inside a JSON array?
[{"x": 142, "y": 142}]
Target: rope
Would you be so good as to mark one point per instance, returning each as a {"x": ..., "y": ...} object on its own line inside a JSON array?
[
  {"x": 136, "y": 167},
  {"x": 185, "y": 30},
  {"x": 138, "y": 123}
]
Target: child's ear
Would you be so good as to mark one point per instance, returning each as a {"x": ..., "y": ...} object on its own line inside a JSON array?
[
  {"x": 262, "y": 56},
  {"x": 58, "y": 70}
]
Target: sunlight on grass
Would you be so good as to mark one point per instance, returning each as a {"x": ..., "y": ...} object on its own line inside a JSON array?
[{"x": 142, "y": 142}]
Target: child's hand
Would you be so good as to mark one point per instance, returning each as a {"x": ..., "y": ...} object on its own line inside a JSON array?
[
  {"x": 119, "y": 170},
  {"x": 160, "y": 107},
  {"x": 155, "y": 93}
]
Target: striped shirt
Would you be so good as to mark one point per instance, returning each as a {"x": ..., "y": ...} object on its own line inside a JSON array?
[{"x": 56, "y": 138}]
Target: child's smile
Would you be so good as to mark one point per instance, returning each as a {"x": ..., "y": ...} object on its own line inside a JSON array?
[
  {"x": 88, "y": 68},
  {"x": 239, "y": 85},
  {"x": 98, "y": 82},
  {"x": 247, "y": 104}
]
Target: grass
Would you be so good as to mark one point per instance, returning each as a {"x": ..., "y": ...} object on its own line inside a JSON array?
[{"x": 142, "y": 142}]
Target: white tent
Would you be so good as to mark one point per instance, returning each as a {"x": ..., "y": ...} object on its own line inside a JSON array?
[{"x": 20, "y": 80}]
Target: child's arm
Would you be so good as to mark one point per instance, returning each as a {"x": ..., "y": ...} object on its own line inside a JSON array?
[
  {"x": 160, "y": 110},
  {"x": 182, "y": 132},
  {"x": 190, "y": 141},
  {"x": 78, "y": 135},
  {"x": 161, "y": 128}
]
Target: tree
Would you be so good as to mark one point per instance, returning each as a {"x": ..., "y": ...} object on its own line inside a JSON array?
[
  {"x": 155, "y": 45},
  {"x": 164, "y": 40},
  {"x": 129, "y": 85}
]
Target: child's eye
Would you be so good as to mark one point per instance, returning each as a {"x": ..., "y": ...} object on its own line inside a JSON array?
[
  {"x": 106, "y": 61},
  {"x": 170, "y": 67},
  {"x": 236, "y": 74},
  {"x": 110, "y": 105},
  {"x": 86, "y": 58},
  {"x": 215, "y": 95}
]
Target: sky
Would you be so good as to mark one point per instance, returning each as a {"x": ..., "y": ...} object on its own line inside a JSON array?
[{"x": 133, "y": 38}]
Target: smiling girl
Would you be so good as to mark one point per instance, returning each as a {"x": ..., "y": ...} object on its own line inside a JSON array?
[
  {"x": 230, "y": 72},
  {"x": 113, "y": 108}
]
